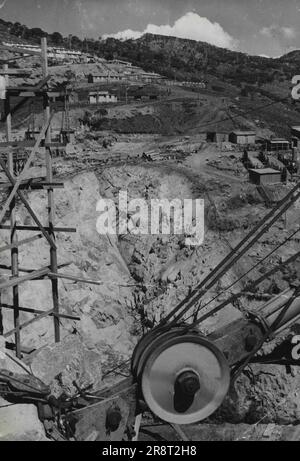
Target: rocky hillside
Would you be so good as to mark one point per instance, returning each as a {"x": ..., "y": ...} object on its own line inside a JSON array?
[
  {"x": 189, "y": 59},
  {"x": 174, "y": 57}
]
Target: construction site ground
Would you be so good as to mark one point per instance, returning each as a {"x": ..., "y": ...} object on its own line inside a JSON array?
[{"x": 154, "y": 150}]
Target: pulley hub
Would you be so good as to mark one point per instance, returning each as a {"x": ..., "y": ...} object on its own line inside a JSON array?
[
  {"x": 187, "y": 383},
  {"x": 183, "y": 377}
]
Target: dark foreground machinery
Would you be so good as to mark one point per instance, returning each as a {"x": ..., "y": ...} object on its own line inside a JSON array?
[
  {"x": 184, "y": 376},
  {"x": 178, "y": 375}
]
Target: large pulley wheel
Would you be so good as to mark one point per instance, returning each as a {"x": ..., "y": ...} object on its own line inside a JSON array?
[
  {"x": 184, "y": 378},
  {"x": 143, "y": 345},
  {"x": 149, "y": 341}
]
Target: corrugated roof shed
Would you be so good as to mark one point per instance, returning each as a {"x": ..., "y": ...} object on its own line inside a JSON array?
[
  {"x": 264, "y": 171},
  {"x": 244, "y": 133},
  {"x": 279, "y": 140}
]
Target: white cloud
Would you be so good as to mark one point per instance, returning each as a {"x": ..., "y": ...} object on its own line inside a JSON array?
[
  {"x": 125, "y": 35},
  {"x": 191, "y": 26},
  {"x": 274, "y": 31},
  {"x": 288, "y": 32},
  {"x": 267, "y": 31},
  {"x": 3, "y": 4}
]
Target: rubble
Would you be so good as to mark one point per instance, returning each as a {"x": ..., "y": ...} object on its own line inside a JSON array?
[
  {"x": 18, "y": 422},
  {"x": 68, "y": 362},
  {"x": 266, "y": 393},
  {"x": 225, "y": 432}
]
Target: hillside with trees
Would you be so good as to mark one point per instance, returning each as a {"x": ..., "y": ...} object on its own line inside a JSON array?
[{"x": 178, "y": 59}]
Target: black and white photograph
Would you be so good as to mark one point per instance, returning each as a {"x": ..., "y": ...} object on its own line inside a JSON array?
[{"x": 149, "y": 224}]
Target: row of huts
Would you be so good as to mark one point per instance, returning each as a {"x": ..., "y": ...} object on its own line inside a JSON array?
[
  {"x": 98, "y": 97},
  {"x": 246, "y": 137},
  {"x": 236, "y": 137},
  {"x": 125, "y": 76}
]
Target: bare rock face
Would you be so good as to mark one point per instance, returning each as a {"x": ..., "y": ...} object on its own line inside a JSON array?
[
  {"x": 225, "y": 432},
  {"x": 20, "y": 423},
  {"x": 103, "y": 308},
  {"x": 61, "y": 364},
  {"x": 266, "y": 393}
]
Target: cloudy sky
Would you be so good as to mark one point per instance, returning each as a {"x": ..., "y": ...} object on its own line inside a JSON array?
[{"x": 263, "y": 27}]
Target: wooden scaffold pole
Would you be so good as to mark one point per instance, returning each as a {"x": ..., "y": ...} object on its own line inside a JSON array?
[
  {"x": 14, "y": 252},
  {"x": 51, "y": 209},
  {"x": 15, "y": 184}
]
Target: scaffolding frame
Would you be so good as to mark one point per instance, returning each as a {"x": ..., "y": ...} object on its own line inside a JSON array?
[{"x": 15, "y": 185}]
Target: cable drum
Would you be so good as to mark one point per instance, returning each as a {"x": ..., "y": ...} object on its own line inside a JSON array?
[{"x": 184, "y": 378}]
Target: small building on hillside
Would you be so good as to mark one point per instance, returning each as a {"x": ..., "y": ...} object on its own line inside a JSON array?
[
  {"x": 97, "y": 97},
  {"x": 130, "y": 77},
  {"x": 295, "y": 131},
  {"x": 264, "y": 176},
  {"x": 242, "y": 137},
  {"x": 119, "y": 62},
  {"x": 150, "y": 77},
  {"x": 277, "y": 144},
  {"x": 103, "y": 78},
  {"x": 217, "y": 136}
]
